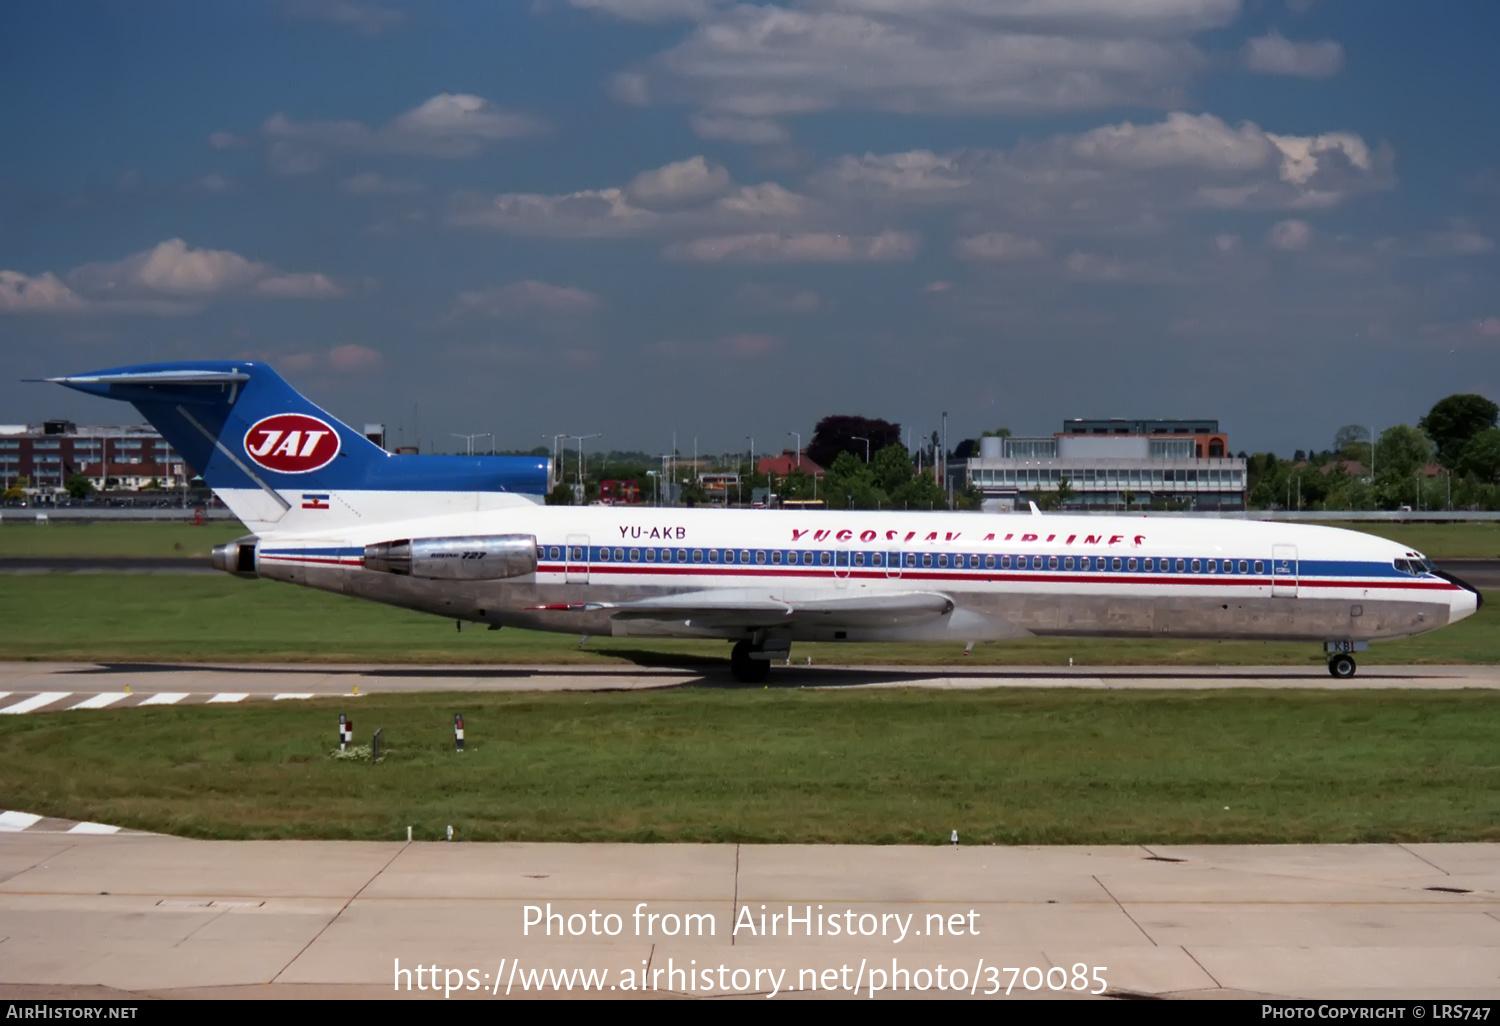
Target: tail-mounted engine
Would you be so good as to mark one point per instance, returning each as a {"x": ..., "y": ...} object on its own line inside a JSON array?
[{"x": 489, "y": 557}]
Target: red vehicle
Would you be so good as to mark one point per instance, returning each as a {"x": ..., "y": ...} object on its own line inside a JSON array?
[{"x": 619, "y": 493}]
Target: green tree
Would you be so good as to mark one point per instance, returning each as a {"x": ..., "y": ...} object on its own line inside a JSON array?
[
  {"x": 1453, "y": 421},
  {"x": 1401, "y": 451},
  {"x": 850, "y": 484},
  {"x": 560, "y": 495},
  {"x": 1481, "y": 456},
  {"x": 79, "y": 487}
]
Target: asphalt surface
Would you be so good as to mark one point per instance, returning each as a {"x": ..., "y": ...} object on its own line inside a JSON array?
[{"x": 120, "y": 916}]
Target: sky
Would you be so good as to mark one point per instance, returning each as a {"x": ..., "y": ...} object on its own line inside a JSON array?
[{"x": 641, "y": 218}]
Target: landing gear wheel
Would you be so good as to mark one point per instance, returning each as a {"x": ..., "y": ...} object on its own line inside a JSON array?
[
  {"x": 746, "y": 669},
  {"x": 1341, "y": 666}
]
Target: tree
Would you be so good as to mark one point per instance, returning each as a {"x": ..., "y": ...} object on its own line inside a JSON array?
[
  {"x": 560, "y": 495},
  {"x": 1453, "y": 421},
  {"x": 1401, "y": 451},
  {"x": 837, "y": 434},
  {"x": 79, "y": 487},
  {"x": 1481, "y": 456}
]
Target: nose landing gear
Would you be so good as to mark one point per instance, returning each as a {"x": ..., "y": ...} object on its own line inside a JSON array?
[{"x": 1341, "y": 665}]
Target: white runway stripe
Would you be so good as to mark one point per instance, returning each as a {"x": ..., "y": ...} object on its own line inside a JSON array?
[
  {"x": 166, "y": 698},
  {"x": 286, "y": 695},
  {"x": 229, "y": 696},
  {"x": 35, "y": 702},
  {"x": 101, "y": 700},
  {"x": 14, "y": 822},
  {"x": 93, "y": 828}
]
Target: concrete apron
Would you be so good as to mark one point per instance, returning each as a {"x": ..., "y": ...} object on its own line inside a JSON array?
[{"x": 145, "y": 915}]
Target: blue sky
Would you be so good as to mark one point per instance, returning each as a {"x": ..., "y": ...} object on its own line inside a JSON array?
[{"x": 637, "y": 217}]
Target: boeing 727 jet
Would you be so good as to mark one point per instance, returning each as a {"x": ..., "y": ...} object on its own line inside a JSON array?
[{"x": 468, "y": 538}]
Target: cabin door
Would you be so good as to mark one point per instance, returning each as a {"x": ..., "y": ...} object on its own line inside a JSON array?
[
  {"x": 577, "y": 567},
  {"x": 1284, "y": 571}
]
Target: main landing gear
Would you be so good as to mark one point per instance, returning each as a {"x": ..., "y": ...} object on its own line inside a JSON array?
[
  {"x": 1341, "y": 665},
  {"x": 749, "y": 663}
]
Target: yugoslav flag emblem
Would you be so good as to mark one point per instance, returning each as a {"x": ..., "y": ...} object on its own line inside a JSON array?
[{"x": 292, "y": 443}]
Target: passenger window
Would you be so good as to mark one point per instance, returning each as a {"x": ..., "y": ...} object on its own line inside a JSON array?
[
  {"x": 776, "y": 557},
  {"x": 635, "y": 555},
  {"x": 1260, "y": 567},
  {"x": 619, "y": 555},
  {"x": 943, "y": 560},
  {"x": 1197, "y": 566},
  {"x": 827, "y": 558},
  {"x": 1004, "y": 562},
  {"x": 989, "y": 562},
  {"x": 877, "y": 560},
  {"x": 1213, "y": 566},
  {"x": 651, "y": 555},
  {"x": 729, "y": 555},
  {"x": 1036, "y": 562},
  {"x": 1130, "y": 565},
  {"x": 911, "y": 559},
  {"x": 1244, "y": 566},
  {"x": 555, "y": 553},
  {"x": 1148, "y": 565},
  {"x": 1115, "y": 563},
  {"x": 1051, "y": 562},
  {"x": 682, "y": 555},
  {"x": 859, "y": 559},
  {"x": 577, "y": 555},
  {"x": 713, "y": 556},
  {"x": 1068, "y": 563},
  {"x": 1180, "y": 566},
  {"x": 760, "y": 555},
  {"x": 1083, "y": 563},
  {"x": 697, "y": 555},
  {"x": 744, "y": 556},
  {"x": 927, "y": 559}
]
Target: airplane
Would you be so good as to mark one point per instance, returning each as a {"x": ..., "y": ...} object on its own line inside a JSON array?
[{"x": 468, "y": 538}]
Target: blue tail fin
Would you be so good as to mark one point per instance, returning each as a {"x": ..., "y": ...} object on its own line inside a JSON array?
[{"x": 266, "y": 450}]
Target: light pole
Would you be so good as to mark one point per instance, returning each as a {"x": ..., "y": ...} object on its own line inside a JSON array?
[
  {"x": 798, "y": 437},
  {"x": 750, "y": 470},
  {"x": 470, "y": 439},
  {"x": 867, "y": 446},
  {"x": 583, "y": 491}
]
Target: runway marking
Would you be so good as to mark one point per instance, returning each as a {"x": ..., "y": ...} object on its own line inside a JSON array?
[
  {"x": 92, "y": 828},
  {"x": 35, "y": 702},
  {"x": 229, "y": 696},
  {"x": 286, "y": 695},
  {"x": 165, "y": 698},
  {"x": 101, "y": 700},
  {"x": 15, "y": 822}
]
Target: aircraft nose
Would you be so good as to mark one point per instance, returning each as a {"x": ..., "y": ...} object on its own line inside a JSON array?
[{"x": 1464, "y": 603}]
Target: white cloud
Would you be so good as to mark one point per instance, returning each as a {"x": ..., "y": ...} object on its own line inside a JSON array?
[
  {"x": 1460, "y": 238},
  {"x": 43, "y": 293},
  {"x": 354, "y": 359},
  {"x": 1182, "y": 140},
  {"x": 741, "y": 67},
  {"x": 651, "y": 10},
  {"x": 449, "y": 125},
  {"x": 682, "y": 184},
  {"x": 777, "y": 300},
  {"x": 915, "y": 174},
  {"x": 372, "y": 183},
  {"x": 529, "y": 297},
  {"x": 1226, "y": 242},
  {"x": 590, "y": 213},
  {"x": 225, "y": 140},
  {"x": 1274, "y": 54},
  {"x": 169, "y": 278},
  {"x": 750, "y": 131},
  {"x": 1290, "y": 235},
  {"x": 998, "y": 246},
  {"x": 802, "y": 247}
]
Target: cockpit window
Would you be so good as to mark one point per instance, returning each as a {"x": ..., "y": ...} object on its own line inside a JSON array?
[{"x": 1416, "y": 567}]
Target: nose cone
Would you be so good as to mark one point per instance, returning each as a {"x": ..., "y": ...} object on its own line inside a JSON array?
[{"x": 1465, "y": 602}]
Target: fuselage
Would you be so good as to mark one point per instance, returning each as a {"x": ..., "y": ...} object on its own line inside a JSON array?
[{"x": 1007, "y": 576}]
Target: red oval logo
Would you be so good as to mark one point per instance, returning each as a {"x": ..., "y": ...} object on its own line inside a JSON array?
[{"x": 292, "y": 443}]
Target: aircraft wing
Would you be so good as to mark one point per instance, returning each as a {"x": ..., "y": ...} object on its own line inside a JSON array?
[{"x": 726, "y": 607}]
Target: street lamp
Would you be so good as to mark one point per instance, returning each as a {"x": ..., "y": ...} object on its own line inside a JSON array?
[
  {"x": 798, "y": 437},
  {"x": 470, "y": 439},
  {"x": 867, "y": 446},
  {"x": 582, "y": 491}
]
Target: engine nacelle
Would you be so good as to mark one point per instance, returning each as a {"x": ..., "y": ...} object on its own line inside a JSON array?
[
  {"x": 236, "y": 557},
  {"x": 490, "y": 557}
]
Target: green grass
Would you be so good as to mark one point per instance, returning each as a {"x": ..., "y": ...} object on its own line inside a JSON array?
[
  {"x": 190, "y": 618},
  {"x": 147, "y": 617},
  {"x": 873, "y": 767},
  {"x": 64, "y": 539}
]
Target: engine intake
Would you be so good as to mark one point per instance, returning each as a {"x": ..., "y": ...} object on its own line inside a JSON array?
[
  {"x": 489, "y": 557},
  {"x": 236, "y": 557}
]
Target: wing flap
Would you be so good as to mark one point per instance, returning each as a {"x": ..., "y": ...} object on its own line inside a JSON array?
[{"x": 747, "y": 608}]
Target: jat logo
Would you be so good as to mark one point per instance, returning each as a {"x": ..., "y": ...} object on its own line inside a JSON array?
[{"x": 292, "y": 443}]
